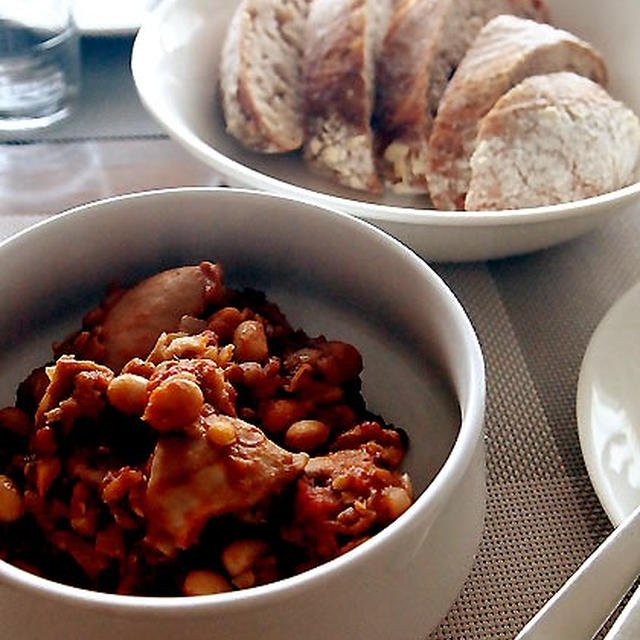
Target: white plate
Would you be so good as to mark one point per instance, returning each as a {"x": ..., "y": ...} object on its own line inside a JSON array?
[
  {"x": 175, "y": 66},
  {"x": 608, "y": 407},
  {"x": 110, "y": 17}
]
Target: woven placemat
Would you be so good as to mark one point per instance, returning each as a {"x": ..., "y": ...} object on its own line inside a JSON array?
[{"x": 534, "y": 316}]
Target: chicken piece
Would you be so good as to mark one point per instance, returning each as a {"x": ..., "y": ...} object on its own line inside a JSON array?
[
  {"x": 194, "y": 477},
  {"x": 507, "y": 50},
  {"x": 130, "y": 322},
  {"x": 384, "y": 445},
  {"x": 76, "y": 388},
  {"x": 205, "y": 374},
  {"x": 342, "y": 497}
]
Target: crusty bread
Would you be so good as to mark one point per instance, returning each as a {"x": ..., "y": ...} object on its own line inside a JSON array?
[
  {"x": 261, "y": 74},
  {"x": 341, "y": 44},
  {"x": 507, "y": 50},
  {"x": 425, "y": 42},
  {"x": 553, "y": 138}
]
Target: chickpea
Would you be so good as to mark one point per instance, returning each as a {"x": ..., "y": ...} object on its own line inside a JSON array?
[
  {"x": 306, "y": 435},
  {"x": 251, "y": 373},
  {"x": 139, "y": 367},
  {"x": 250, "y": 341},
  {"x": 263, "y": 380},
  {"x": 340, "y": 416},
  {"x": 221, "y": 431},
  {"x": 240, "y": 555},
  {"x": 339, "y": 362},
  {"x": 278, "y": 413},
  {"x": 245, "y": 580},
  {"x": 11, "y": 501},
  {"x": 175, "y": 403},
  {"x": 324, "y": 392},
  {"x": 224, "y": 322},
  {"x": 128, "y": 393},
  {"x": 200, "y": 582}
]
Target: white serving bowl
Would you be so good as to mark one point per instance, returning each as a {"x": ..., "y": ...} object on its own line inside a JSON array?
[
  {"x": 175, "y": 66},
  {"x": 331, "y": 274},
  {"x": 113, "y": 18}
]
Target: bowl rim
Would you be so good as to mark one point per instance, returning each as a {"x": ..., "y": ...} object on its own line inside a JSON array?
[
  {"x": 471, "y": 406},
  {"x": 252, "y": 178}
]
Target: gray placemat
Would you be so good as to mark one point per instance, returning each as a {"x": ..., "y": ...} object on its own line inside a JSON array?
[{"x": 534, "y": 316}]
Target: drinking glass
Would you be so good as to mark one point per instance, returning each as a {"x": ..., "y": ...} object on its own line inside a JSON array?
[{"x": 39, "y": 63}]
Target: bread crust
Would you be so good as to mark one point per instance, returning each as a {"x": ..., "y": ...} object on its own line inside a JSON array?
[
  {"x": 507, "y": 50},
  {"x": 551, "y": 139},
  {"x": 425, "y": 42},
  {"x": 261, "y": 74},
  {"x": 340, "y": 48}
]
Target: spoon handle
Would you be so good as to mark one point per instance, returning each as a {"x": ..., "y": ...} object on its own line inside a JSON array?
[
  {"x": 588, "y": 597},
  {"x": 627, "y": 626}
]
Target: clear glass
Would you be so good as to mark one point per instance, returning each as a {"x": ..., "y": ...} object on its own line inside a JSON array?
[{"x": 39, "y": 63}]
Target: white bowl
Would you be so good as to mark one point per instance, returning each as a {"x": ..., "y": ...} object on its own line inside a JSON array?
[
  {"x": 331, "y": 274},
  {"x": 175, "y": 66},
  {"x": 113, "y": 18}
]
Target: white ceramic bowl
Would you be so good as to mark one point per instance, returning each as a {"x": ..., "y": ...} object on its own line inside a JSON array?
[
  {"x": 175, "y": 66},
  {"x": 331, "y": 274},
  {"x": 113, "y": 18}
]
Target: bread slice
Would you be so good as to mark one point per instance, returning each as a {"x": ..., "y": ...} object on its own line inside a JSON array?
[
  {"x": 425, "y": 42},
  {"x": 507, "y": 50},
  {"x": 261, "y": 74},
  {"x": 553, "y": 138},
  {"x": 341, "y": 45}
]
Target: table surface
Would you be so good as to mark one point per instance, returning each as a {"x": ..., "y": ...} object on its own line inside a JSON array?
[{"x": 533, "y": 314}]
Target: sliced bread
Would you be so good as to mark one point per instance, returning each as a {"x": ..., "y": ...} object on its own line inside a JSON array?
[
  {"x": 341, "y": 44},
  {"x": 425, "y": 42},
  {"x": 553, "y": 138},
  {"x": 261, "y": 74},
  {"x": 507, "y": 50}
]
